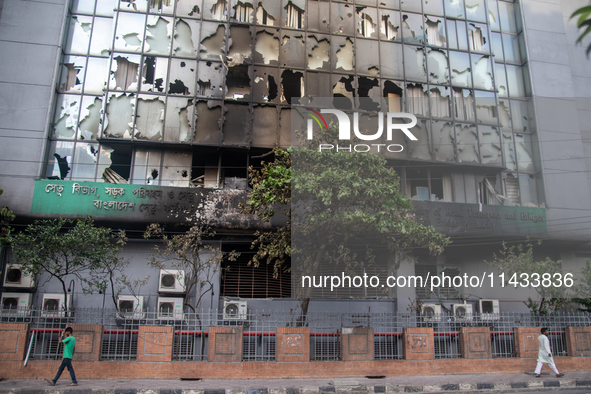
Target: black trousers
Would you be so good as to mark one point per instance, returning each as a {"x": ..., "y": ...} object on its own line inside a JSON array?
[{"x": 66, "y": 363}]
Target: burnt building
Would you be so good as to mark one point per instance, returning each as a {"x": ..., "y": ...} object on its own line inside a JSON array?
[{"x": 177, "y": 97}]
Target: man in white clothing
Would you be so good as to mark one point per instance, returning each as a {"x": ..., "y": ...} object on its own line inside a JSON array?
[{"x": 545, "y": 354}]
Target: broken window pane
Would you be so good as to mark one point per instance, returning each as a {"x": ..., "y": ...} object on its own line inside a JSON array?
[
  {"x": 238, "y": 83},
  {"x": 293, "y": 14},
  {"x": 528, "y": 191},
  {"x": 418, "y": 100},
  {"x": 207, "y": 128},
  {"x": 464, "y": 104},
  {"x": 66, "y": 116},
  {"x": 501, "y": 80},
  {"x": 460, "y": 69},
  {"x": 187, "y": 8},
  {"x": 133, "y": 5},
  {"x": 59, "y": 160},
  {"x": 318, "y": 52},
  {"x": 211, "y": 79},
  {"x": 443, "y": 141},
  {"x": 216, "y": 9},
  {"x": 292, "y": 86},
  {"x": 367, "y": 22},
  {"x": 265, "y": 84},
  {"x": 475, "y": 10},
  {"x": 467, "y": 143},
  {"x": 420, "y": 149},
  {"x": 264, "y": 126},
  {"x": 267, "y": 48},
  {"x": 90, "y": 118},
  {"x": 158, "y": 35},
  {"x": 186, "y": 38},
  {"x": 102, "y": 40},
  {"x": 490, "y": 145},
  {"x": 521, "y": 118},
  {"x": 369, "y": 94},
  {"x": 507, "y": 16},
  {"x": 439, "y": 97},
  {"x": 124, "y": 72},
  {"x": 161, "y": 6},
  {"x": 515, "y": 81},
  {"x": 412, "y": 28},
  {"x": 149, "y": 118},
  {"x": 509, "y": 152},
  {"x": 242, "y": 11},
  {"x": 213, "y": 43},
  {"x": 454, "y": 8},
  {"x": 512, "y": 48},
  {"x": 265, "y": 17},
  {"x": 79, "y": 35},
  {"x": 240, "y": 45},
  {"x": 486, "y": 107},
  {"x": 130, "y": 32},
  {"x": 72, "y": 75},
  {"x": 114, "y": 165},
  {"x": 237, "y": 124},
  {"x": 146, "y": 167},
  {"x": 84, "y": 164},
  {"x": 478, "y": 38},
  {"x": 493, "y": 15},
  {"x": 179, "y": 119},
  {"x": 414, "y": 63},
  {"x": 318, "y": 12},
  {"x": 435, "y": 31},
  {"x": 497, "y": 47},
  {"x": 293, "y": 51},
  {"x": 393, "y": 67},
  {"x": 343, "y": 91},
  {"x": 341, "y": 19},
  {"x": 482, "y": 72},
  {"x": 393, "y": 96},
  {"x": 437, "y": 65},
  {"x": 182, "y": 77},
  {"x": 367, "y": 57},
  {"x": 154, "y": 74},
  {"x": 176, "y": 168},
  {"x": 119, "y": 116},
  {"x": 505, "y": 115},
  {"x": 289, "y": 120},
  {"x": 389, "y": 25}
]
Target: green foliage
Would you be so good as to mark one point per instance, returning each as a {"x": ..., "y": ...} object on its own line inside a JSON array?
[
  {"x": 6, "y": 216},
  {"x": 83, "y": 251},
  {"x": 583, "y": 288},
  {"x": 583, "y": 22},
  {"x": 192, "y": 252},
  {"x": 518, "y": 260}
]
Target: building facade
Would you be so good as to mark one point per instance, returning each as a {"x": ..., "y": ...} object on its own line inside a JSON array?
[{"x": 144, "y": 111}]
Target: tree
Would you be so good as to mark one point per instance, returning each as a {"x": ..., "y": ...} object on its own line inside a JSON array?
[
  {"x": 583, "y": 288},
  {"x": 518, "y": 263},
  {"x": 83, "y": 251},
  {"x": 6, "y": 216},
  {"x": 343, "y": 208},
  {"x": 584, "y": 22},
  {"x": 191, "y": 252}
]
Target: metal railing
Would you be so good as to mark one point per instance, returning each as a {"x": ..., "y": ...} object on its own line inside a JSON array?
[{"x": 191, "y": 331}]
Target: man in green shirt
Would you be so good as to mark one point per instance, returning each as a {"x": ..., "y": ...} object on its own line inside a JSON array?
[{"x": 69, "y": 343}]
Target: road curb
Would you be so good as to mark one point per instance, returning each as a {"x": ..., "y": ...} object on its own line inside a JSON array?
[{"x": 464, "y": 388}]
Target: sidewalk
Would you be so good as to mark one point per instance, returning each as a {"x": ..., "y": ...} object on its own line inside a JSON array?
[{"x": 399, "y": 384}]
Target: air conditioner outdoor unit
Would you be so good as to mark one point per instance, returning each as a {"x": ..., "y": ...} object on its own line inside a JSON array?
[
  {"x": 16, "y": 304},
  {"x": 131, "y": 307},
  {"x": 235, "y": 310},
  {"x": 431, "y": 312},
  {"x": 172, "y": 281},
  {"x": 170, "y": 308},
  {"x": 462, "y": 312},
  {"x": 54, "y": 305},
  {"x": 16, "y": 277},
  {"x": 488, "y": 309}
]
